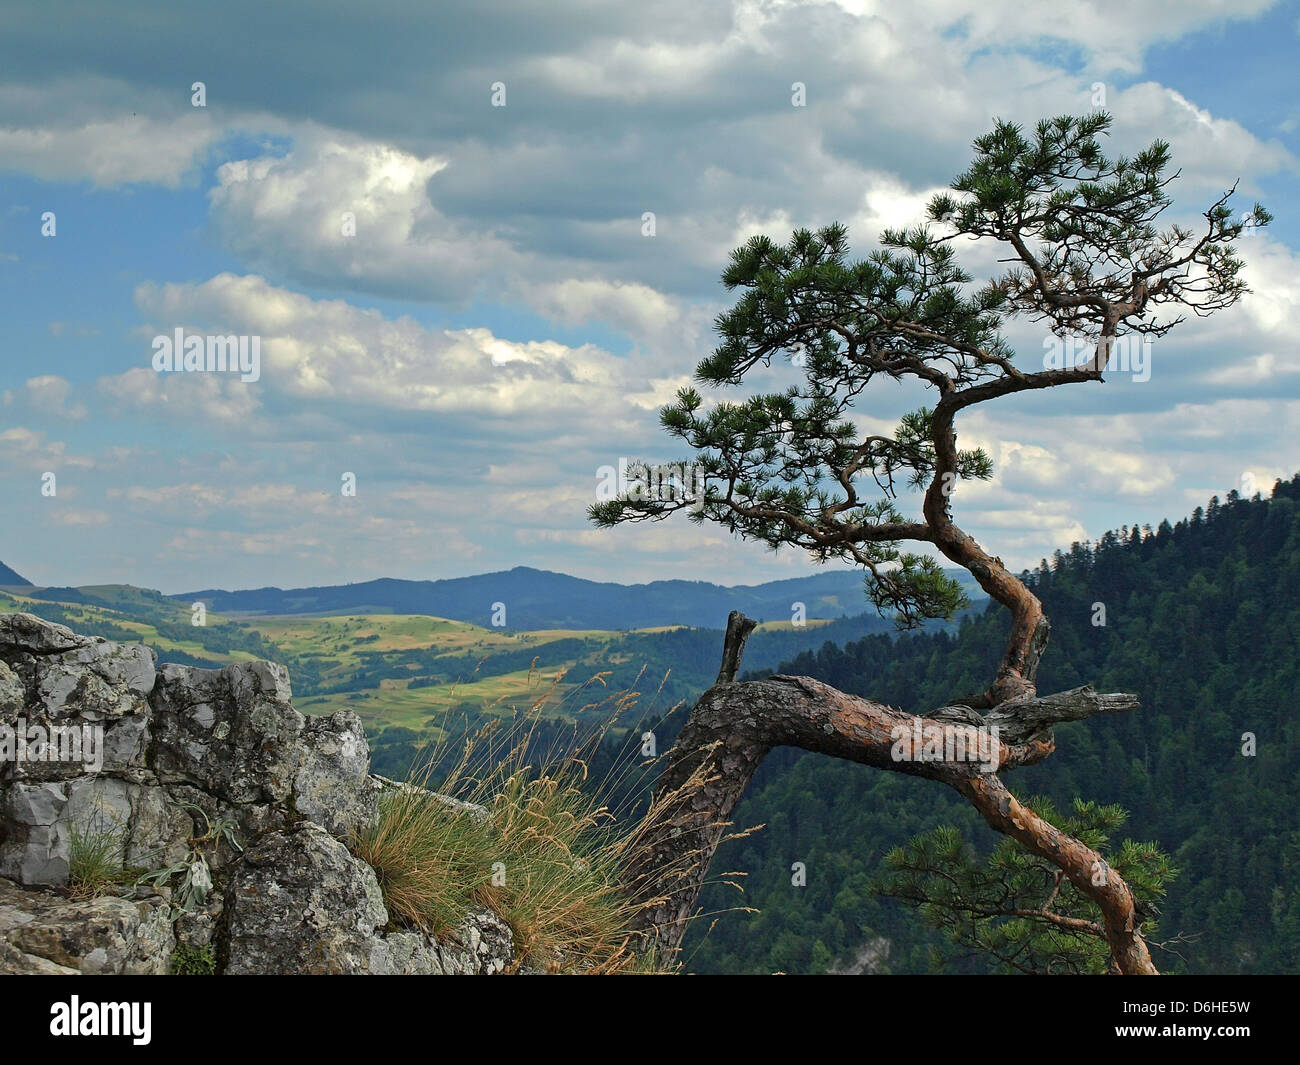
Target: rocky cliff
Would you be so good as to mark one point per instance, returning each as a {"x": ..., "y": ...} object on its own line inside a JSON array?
[{"x": 231, "y": 808}]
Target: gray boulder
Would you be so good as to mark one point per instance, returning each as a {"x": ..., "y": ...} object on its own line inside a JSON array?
[
  {"x": 299, "y": 902},
  {"x": 482, "y": 946}
]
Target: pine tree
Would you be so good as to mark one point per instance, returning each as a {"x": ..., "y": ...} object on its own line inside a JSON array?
[{"x": 791, "y": 469}]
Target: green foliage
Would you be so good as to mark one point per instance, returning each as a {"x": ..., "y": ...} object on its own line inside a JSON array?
[
  {"x": 808, "y": 299},
  {"x": 791, "y": 468},
  {"x": 194, "y": 872},
  {"x": 1092, "y": 224},
  {"x": 194, "y": 961},
  {"x": 95, "y": 860},
  {"x": 428, "y": 855},
  {"x": 917, "y": 589},
  {"x": 1016, "y": 907},
  {"x": 526, "y": 841}
]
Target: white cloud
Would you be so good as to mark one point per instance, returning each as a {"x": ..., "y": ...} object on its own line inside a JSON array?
[
  {"x": 80, "y": 517},
  {"x": 28, "y": 455},
  {"x": 287, "y": 213},
  {"x": 129, "y": 149},
  {"x": 1113, "y": 32},
  {"x": 1211, "y": 151},
  {"x": 635, "y": 308},
  {"x": 49, "y": 395},
  {"x": 329, "y": 350},
  {"x": 192, "y": 399}
]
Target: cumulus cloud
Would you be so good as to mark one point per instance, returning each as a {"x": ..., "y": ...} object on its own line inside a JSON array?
[
  {"x": 1212, "y": 152},
  {"x": 335, "y": 209},
  {"x": 49, "y": 395},
  {"x": 192, "y": 399},
  {"x": 330, "y": 350},
  {"x": 130, "y": 149}
]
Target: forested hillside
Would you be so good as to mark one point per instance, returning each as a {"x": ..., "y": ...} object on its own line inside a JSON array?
[{"x": 1202, "y": 619}]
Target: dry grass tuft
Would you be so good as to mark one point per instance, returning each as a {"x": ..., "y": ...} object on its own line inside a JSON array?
[{"x": 542, "y": 851}]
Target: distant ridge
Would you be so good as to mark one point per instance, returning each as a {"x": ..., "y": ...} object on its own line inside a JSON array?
[
  {"x": 10, "y": 579},
  {"x": 540, "y": 599}
]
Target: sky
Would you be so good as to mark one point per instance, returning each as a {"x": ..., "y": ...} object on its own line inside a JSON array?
[{"x": 499, "y": 324}]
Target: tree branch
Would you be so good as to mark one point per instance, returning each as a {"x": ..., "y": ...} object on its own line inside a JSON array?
[
  {"x": 734, "y": 726},
  {"x": 733, "y": 647}
]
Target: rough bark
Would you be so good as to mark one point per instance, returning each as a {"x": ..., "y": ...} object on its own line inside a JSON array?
[
  {"x": 734, "y": 725},
  {"x": 1029, "y": 626},
  {"x": 1084, "y": 867},
  {"x": 733, "y": 646}
]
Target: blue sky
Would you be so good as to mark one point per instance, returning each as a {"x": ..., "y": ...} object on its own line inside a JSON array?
[{"x": 499, "y": 327}]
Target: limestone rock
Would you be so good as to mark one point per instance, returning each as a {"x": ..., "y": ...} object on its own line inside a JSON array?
[
  {"x": 12, "y": 695},
  {"x": 482, "y": 946},
  {"x": 42, "y": 820},
  {"x": 189, "y": 758},
  {"x": 332, "y": 785},
  {"x": 299, "y": 902},
  {"x": 231, "y": 732},
  {"x": 41, "y": 932}
]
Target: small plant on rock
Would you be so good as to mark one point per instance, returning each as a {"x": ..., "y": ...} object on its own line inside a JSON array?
[
  {"x": 95, "y": 856},
  {"x": 194, "y": 961},
  {"x": 194, "y": 871}
]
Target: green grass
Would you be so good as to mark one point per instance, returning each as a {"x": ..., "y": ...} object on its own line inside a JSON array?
[
  {"x": 344, "y": 638},
  {"x": 95, "y": 856},
  {"x": 395, "y": 704}
]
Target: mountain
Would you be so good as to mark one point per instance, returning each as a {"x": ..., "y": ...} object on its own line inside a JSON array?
[
  {"x": 10, "y": 579},
  {"x": 1202, "y": 621},
  {"x": 540, "y": 599}
]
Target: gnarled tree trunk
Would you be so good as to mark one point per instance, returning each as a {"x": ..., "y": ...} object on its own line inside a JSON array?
[{"x": 734, "y": 725}]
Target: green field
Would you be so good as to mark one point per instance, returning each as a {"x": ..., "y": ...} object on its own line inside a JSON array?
[
  {"x": 331, "y": 649},
  {"x": 394, "y": 703},
  {"x": 128, "y": 616},
  {"x": 413, "y": 678},
  {"x": 341, "y": 639}
]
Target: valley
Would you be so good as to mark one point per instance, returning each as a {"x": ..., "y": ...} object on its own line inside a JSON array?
[{"x": 415, "y": 679}]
